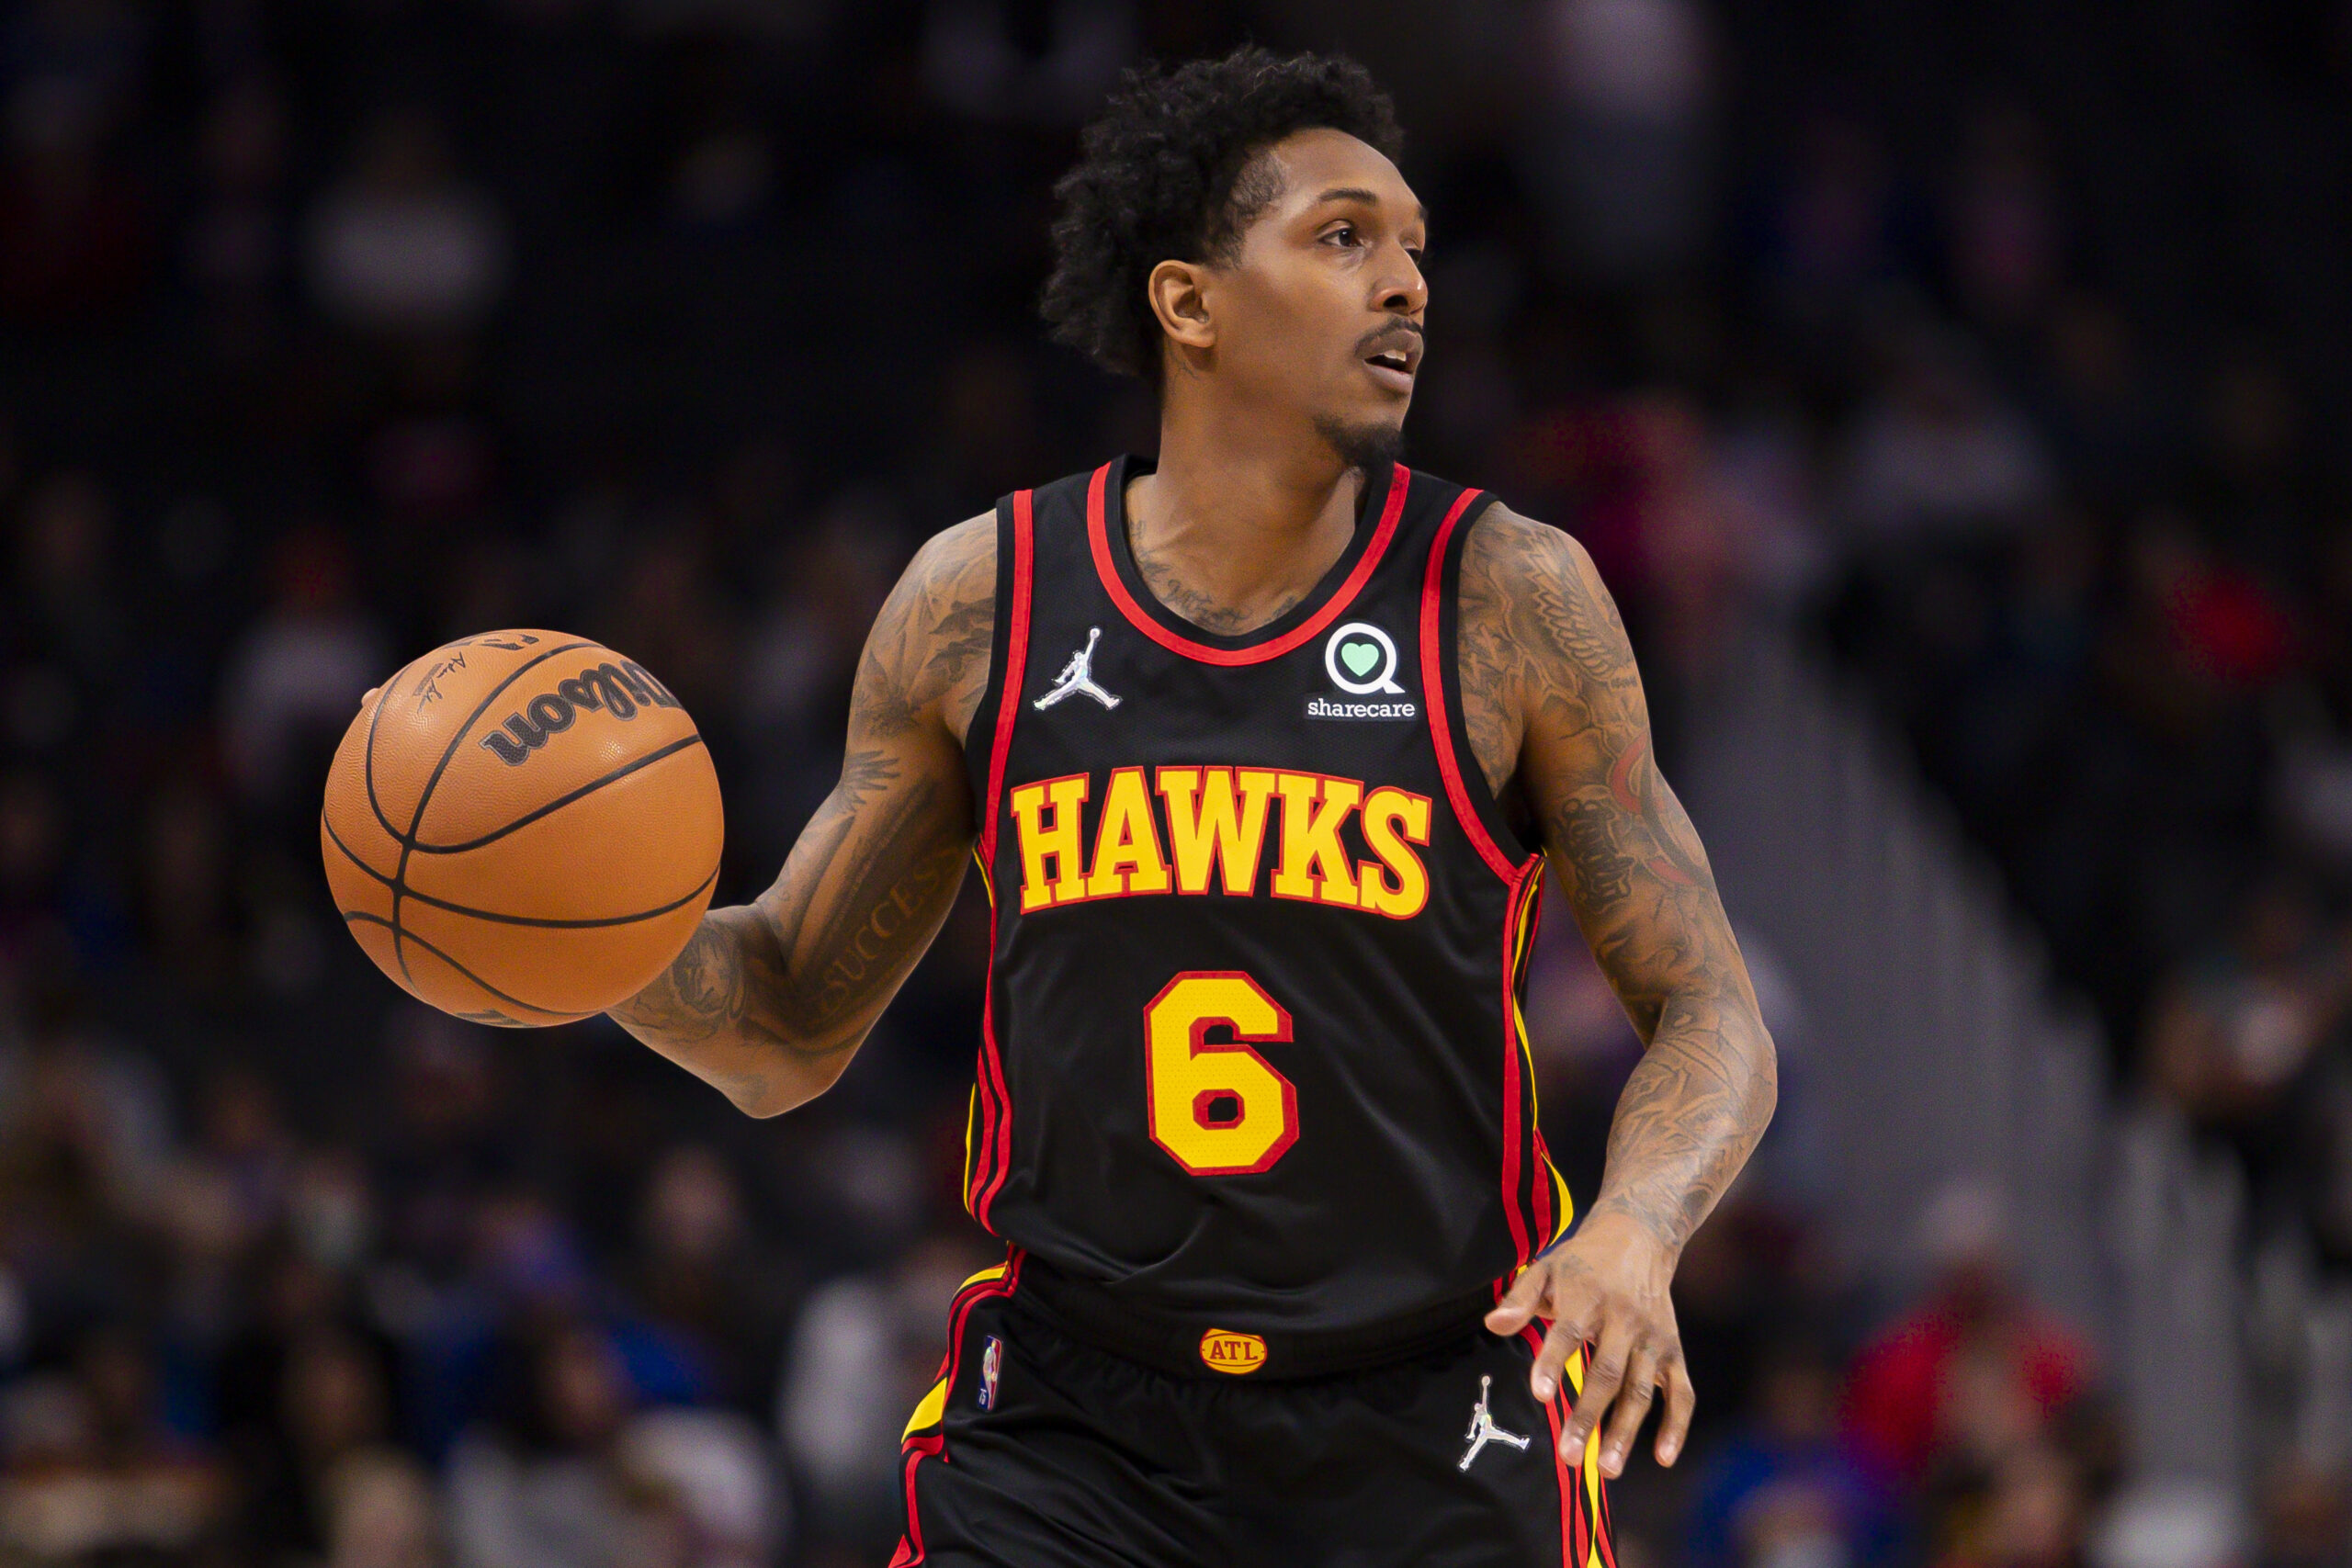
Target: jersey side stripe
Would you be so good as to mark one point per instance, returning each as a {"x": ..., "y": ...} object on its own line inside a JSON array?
[
  {"x": 1539, "y": 1164},
  {"x": 1569, "y": 1484},
  {"x": 1516, "y": 1087},
  {"x": 996, "y": 1134},
  {"x": 1002, "y": 1281},
  {"x": 1555, "y": 1216}
]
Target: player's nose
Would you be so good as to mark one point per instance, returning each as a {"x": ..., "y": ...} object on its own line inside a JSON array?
[{"x": 1402, "y": 288}]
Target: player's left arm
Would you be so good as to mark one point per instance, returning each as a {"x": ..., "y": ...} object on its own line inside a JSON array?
[{"x": 1551, "y": 697}]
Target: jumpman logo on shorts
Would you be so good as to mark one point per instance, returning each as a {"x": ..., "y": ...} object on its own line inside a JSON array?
[
  {"x": 1077, "y": 676},
  {"x": 1483, "y": 1429}
]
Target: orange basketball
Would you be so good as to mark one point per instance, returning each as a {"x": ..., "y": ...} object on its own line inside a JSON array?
[{"x": 521, "y": 827}]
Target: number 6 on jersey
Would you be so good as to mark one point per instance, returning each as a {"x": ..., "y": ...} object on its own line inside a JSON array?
[{"x": 1217, "y": 1106}]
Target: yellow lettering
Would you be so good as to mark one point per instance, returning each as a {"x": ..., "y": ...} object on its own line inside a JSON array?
[
  {"x": 1126, "y": 845},
  {"x": 1394, "y": 819},
  {"x": 1048, "y": 817},
  {"x": 1314, "y": 863},
  {"x": 1217, "y": 816}
]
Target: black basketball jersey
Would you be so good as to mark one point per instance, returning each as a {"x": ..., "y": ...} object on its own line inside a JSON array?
[{"x": 1252, "y": 1044}]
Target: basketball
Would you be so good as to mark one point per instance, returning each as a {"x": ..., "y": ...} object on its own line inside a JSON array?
[{"x": 521, "y": 827}]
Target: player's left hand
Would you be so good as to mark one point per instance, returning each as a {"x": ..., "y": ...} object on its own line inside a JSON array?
[{"x": 1607, "y": 1286}]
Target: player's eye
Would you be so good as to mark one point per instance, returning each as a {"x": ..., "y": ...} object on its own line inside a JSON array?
[{"x": 1345, "y": 234}]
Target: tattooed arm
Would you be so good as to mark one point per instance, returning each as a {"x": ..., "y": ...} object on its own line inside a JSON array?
[
  {"x": 771, "y": 998},
  {"x": 1550, "y": 698}
]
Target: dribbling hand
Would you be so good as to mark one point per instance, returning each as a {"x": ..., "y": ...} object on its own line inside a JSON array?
[{"x": 1607, "y": 1287}]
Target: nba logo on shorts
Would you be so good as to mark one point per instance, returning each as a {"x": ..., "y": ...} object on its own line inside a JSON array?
[{"x": 991, "y": 1364}]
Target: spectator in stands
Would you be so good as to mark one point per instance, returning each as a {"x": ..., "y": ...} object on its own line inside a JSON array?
[
  {"x": 2005, "y": 245},
  {"x": 1616, "y": 155},
  {"x": 2107, "y": 425},
  {"x": 236, "y": 242},
  {"x": 383, "y": 1513},
  {"x": 1937, "y": 454},
  {"x": 2171, "y": 1522},
  {"x": 2233, "y": 1038},
  {"x": 862, "y": 1356},
  {"x": 1788, "y": 1489},
  {"x": 403, "y": 244},
  {"x": 1834, "y": 231},
  {"x": 702, "y": 1277},
  {"x": 74, "y": 243},
  {"x": 979, "y": 59},
  {"x": 2306, "y": 1515},
  {"x": 183, "y": 896},
  {"x": 72, "y": 601},
  {"x": 1975, "y": 1369},
  {"x": 334, "y": 1411},
  {"x": 90, "y": 1472},
  {"x": 565, "y": 1476},
  {"x": 295, "y": 681},
  {"x": 2323, "y": 1148},
  {"x": 32, "y": 856},
  {"x": 2025, "y": 1511},
  {"x": 538, "y": 1485}
]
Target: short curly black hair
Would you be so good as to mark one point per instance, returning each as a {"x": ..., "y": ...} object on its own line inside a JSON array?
[{"x": 1170, "y": 172}]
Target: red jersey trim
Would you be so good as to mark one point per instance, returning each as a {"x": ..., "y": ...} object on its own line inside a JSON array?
[
  {"x": 1016, "y": 658},
  {"x": 1573, "y": 1546},
  {"x": 995, "y": 1160},
  {"x": 1099, "y": 539},
  {"x": 1433, "y": 686}
]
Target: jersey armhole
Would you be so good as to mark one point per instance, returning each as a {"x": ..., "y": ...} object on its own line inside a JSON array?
[
  {"x": 989, "y": 740},
  {"x": 1474, "y": 805}
]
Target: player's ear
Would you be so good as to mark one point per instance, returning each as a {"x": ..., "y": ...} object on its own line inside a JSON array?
[{"x": 1178, "y": 291}]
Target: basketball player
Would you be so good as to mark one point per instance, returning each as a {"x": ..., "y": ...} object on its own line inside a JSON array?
[{"x": 1262, "y": 752}]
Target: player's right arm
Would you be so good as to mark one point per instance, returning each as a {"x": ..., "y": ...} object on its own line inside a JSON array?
[{"x": 771, "y": 998}]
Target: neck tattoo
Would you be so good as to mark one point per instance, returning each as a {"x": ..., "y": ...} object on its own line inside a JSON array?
[{"x": 1191, "y": 603}]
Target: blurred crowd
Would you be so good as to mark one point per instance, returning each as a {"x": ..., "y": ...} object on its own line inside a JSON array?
[{"x": 2000, "y": 352}]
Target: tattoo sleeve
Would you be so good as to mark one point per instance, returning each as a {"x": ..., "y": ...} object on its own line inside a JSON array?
[
  {"x": 770, "y": 999},
  {"x": 1551, "y": 695}
]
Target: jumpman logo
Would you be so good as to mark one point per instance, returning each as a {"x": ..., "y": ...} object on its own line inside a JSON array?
[
  {"x": 1077, "y": 676},
  {"x": 1483, "y": 1429}
]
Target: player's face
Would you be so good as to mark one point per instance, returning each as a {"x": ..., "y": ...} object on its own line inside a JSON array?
[{"x": 1322, "y": 310}]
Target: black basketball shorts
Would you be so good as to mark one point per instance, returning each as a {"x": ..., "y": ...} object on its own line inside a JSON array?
[{"x": 1036, "y": 1450}]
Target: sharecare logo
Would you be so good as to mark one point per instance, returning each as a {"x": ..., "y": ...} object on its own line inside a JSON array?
[
  {"x": 1326, "y": 708},
  {"x": 1362, "y": 659}
]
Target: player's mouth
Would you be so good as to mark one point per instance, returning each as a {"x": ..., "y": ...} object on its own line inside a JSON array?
[{"x": 1394, "y": 358}]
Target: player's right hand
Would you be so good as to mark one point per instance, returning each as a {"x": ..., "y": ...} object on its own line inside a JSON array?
[{"x": 1606, "y": 1288}]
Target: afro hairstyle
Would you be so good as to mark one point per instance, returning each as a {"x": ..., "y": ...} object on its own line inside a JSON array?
[{"x": 1171, "y": 171}]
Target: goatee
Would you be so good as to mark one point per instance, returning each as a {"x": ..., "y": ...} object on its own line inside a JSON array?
[{"x": 1371, "y": 447}]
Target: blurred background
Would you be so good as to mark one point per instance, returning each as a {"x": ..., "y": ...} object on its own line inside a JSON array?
[{"x": 1955, "y": 395}]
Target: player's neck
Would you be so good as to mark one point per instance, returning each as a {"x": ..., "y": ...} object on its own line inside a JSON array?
[{"x": 1240, "y": 518}]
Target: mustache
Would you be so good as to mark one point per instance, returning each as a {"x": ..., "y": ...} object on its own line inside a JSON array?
[{"x": 1390, "y": 336}]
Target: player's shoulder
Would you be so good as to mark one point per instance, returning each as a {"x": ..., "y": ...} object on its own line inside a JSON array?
[
  {"x": 959, "y": 559},
  {"x": 928, "y": 650},
  {"x": 1508, "y": 556}
]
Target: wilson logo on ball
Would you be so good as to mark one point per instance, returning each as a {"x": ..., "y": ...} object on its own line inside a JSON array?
[{"x": 617, "y": 689}]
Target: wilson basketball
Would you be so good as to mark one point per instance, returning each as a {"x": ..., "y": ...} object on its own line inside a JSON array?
[{"x": 521, "y": 827}]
